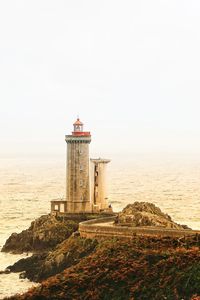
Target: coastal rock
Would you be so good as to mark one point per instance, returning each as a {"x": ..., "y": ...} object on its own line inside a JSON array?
[
  {"x": 6, "y": 271},
  {"x": 141, "y": 268},
  {"x": 44, "y": 233},
  {"x": 30, "y": 265},
  {"x": 146, "y": 214},
  {"x": 41, "y": 266},
  {"x": 67, "y": 254}
]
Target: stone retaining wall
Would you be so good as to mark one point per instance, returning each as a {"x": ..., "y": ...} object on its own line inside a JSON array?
[{"x": 104, "y": 227}]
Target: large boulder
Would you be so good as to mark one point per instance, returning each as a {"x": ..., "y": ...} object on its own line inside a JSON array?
[{"x": 145, "y": 214}]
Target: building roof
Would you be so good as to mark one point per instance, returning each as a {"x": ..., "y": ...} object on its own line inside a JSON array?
[
  {"x": 78, "y": 122},
  {"x": 100, "y": 160}
]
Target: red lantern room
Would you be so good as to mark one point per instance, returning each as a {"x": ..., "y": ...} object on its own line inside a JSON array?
[
  {"x": 78, "y": 125},
  {"x": 78, "y": 129}
]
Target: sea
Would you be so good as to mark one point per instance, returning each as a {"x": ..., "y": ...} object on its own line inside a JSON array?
[{"x": 27, "y": 185}]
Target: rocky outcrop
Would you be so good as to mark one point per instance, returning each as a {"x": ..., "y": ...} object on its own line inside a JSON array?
[
  {"x": 29, "y": 267},
  {"x": 112, "y": 268},
  {"x": 140, "y": 268},
  {"x": 66, "y": 254},
  {"x": 146, "y": 214},
  {"x": 44, "y": 233}
]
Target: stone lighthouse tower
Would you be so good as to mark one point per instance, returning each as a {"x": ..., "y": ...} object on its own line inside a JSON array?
[
  {"x": 86, "y": 178},
  {"x": 77, "y": 179}
]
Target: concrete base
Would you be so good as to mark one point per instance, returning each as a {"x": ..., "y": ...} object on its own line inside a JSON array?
[{"x": 78, "y": 207}]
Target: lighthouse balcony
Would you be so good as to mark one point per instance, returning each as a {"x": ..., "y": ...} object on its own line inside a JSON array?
[{"x": 78, "y": 138}]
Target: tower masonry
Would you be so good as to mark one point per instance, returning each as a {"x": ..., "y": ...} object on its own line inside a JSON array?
[{"x": 77, "y": 179}]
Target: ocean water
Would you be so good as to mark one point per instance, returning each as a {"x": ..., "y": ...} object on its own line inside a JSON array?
[{"x": 27, "y": 186}]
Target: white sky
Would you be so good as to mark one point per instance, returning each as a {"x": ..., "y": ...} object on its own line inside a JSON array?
[{"x": 130, "y": 69}]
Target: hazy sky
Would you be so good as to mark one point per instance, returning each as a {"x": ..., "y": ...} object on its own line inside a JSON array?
[{"x": 130, "y": 69}]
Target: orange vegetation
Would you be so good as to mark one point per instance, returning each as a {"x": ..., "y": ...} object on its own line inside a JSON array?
[{"x": 141, "y": 268}]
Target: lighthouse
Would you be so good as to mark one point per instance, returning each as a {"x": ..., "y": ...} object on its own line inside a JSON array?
[
  {"x": 85, "y": 177},
  {"x": 77, "y": 173}
]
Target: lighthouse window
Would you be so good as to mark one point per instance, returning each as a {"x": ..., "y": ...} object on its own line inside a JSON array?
[
  {"x": 56, "y": 207},
  {"x": 81, "y": 182},
  {"x": 62, "y": 208},
  {"x": 81, "y": 168},
  {"x": 80, "y": 152}
]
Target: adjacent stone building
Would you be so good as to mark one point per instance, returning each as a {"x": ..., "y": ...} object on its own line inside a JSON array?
[
  {"x": 99, "y": 198},
  {"x": 85, "y": 178}
]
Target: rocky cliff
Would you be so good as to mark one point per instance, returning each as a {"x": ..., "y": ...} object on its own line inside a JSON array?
[
  {"x": 55, "y": 248},
  {"x": 145, "y": 214},
  {"x": 142, "y": 268},
  {"x": 68, "y": 253},
  {"x": 138, "y": 268}
]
